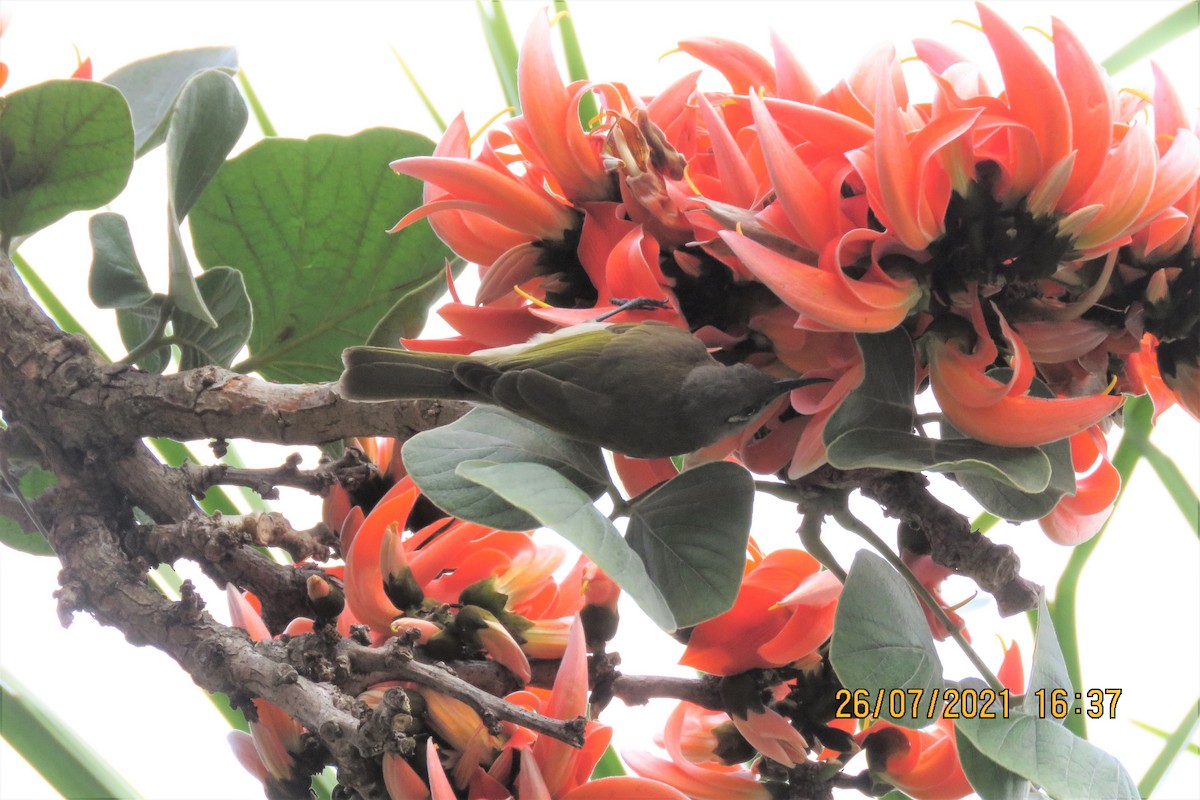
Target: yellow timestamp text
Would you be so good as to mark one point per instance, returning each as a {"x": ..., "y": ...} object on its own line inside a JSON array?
[
  {"x": 1095, "y": 703},
  {"x": 951, "y": 702}
]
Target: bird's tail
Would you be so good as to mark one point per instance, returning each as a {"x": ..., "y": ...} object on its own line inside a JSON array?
[{"x": 385, "y": 373}]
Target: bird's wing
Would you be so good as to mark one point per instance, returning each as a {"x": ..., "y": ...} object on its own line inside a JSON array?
[
  {"x": 557, "y": 404},
  {"x": 477, "y": 376}
]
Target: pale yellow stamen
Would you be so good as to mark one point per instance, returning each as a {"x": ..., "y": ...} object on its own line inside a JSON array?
[
  {"x": 670, "y": 52},
  {"x": 531, "y": 298},
  {"x": 1036, "y": 29},
  {"x": 690, "y": 183},
  {"x": 1137, "y": 93},
  {"x": 738, "y": 228},
  {"x": 960, "y": 604},
  {"x": 1111, "y": 385},
  {"x": 968, "y": 23},
  {"x": 554, "y": 20},
  {"x": 482, "y": 129}
]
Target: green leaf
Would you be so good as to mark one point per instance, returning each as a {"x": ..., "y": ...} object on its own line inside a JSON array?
[
  {"x": 497, "y": 436},
  {"x": 989, "y": 780},
  {"x": 1048, "y": 670},
  {"x": 691, "y": 534},
  {"x": 31, "y": 481},
  {"x": 181, "y": 286},
  {"x": 208, "y": 120},
  {"x": 116, "y": 279},
  {"x": 1026, "y": 469},
  {"x": 609, "y": 765},
  {"x": 1177, "y": 743},
  {"x": 880, "y": 651},
  {"x": 884, "y": 399},
  {"x": 16, "y": 537},
  {"x": 224, "y": 292},
  {"x": 407, "y": 318},
  {"x": 67, "y": 762},
  {"x": 502, "y": 46},
  {"x": 1049, "y": 755},
  {"x": 152, "y": 84},
  {"x": 558, "y": 504},
  {"x": 136, "y": 325},
  {"x": 1006, "y": 501},
  {"x": 305, "y": 223},
  {"x": 64, "y": 146}
]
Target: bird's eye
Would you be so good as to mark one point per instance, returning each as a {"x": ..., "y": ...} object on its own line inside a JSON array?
[{"x": 745, "y": 415}]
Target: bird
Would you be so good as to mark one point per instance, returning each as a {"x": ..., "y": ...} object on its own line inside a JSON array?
[{"x": 646, "y": 389}]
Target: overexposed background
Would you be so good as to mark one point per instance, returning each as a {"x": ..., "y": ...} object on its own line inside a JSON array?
[{"x": 327, "y": 68}]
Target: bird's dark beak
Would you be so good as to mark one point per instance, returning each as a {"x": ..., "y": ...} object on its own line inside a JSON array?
[{"x": 797, "y": 383}]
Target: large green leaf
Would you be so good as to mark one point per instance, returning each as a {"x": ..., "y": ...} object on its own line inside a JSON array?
[
  {"x": 884, "y": 399},
  {"x": 136, "y": 325},
  {"x": 224, "y": 293},
  {"x": 1007, "y": 501},
  {"x": 1048, "y": 670},
  {"x": 496, "y": 436},
  {"x": 558, "y": 504},
  {"x": 152, "y": 84},
  {"x": 64, "y": 146},
  {"x": 1026, "y": 469},
  {"x": 116, "y": 279},
  {"x": 989, "y": 780},
  {"x": 691, "y": 534},
  {"x": 881, "y": 640},
  {"x": 208, "y": 120},
  {"x": 181, "y": 286},
  {"x": 305, "y": 223},
  {"x": 1049, "y": 755}
]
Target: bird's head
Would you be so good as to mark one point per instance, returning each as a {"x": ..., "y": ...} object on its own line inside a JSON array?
[{"x": 726, "y": 398}]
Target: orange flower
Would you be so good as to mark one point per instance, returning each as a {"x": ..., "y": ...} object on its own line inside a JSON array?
[
  {"x": 1002, "y": 412},
  {"x": 924, "y": 763},
  {"x": 783, "y": 611},
  {"x": 275, "y": 735},
  {"x": 707, "y": 780},
  {"x": 1080, "y": 516},
  {"x": 931, "y": 574}
]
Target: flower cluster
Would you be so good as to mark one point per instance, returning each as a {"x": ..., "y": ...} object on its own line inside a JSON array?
[
  {"x": 457, "y": 591},
  {"x": 1037, "y": 244}
]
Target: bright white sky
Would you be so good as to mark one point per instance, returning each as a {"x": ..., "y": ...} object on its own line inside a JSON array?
[{"x": 327, "y": 68}]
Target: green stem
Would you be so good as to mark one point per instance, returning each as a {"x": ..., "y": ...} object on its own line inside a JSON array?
[
  {"x": 428, "y": 103},
  {"x": 1176, "y": 484},
  {"x": 984, "y": 522},
  {"x": 1138, "y": 424},
  {"x": 155, "y": 340},
  {"x": 1175, "y": 745},
  {"x": 503, "y": 48},
  {"x": 54, "y": 307},
  {"x": 1180, "y": 21},
  {"x": 576, "y": 69},
  {"x": 810, "y": 537},
  {"x": 260, "y": 114},
  {"x": 855, "y": 525},
  {"x": 67, "y": 762}
]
